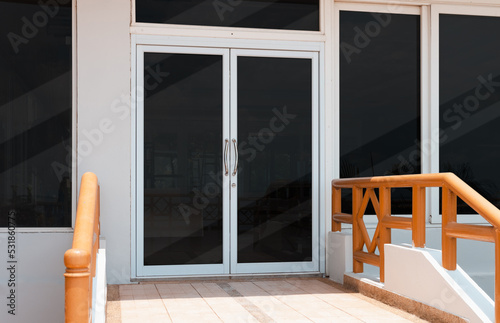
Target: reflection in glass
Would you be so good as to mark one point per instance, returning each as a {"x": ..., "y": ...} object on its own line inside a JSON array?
[
  {"x": 273, "y": 14},
  {"x": 469, "y": 96},
  {"x": 274, "y": 176},
  {"x": 380, "y": 98},
  {"x": 35, "y": 114},
  {"x": 182, "y": 159}
]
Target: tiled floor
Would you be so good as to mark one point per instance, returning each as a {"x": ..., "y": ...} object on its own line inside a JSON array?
[{"x": 263, "y": 300}]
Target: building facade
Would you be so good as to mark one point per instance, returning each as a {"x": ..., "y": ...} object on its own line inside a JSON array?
[{"x": 216, "y": 126}]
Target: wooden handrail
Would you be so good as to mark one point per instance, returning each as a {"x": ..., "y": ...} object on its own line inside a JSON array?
[
  {"x": 80, "y": 260},
  {"x": 363, "y": 191}
]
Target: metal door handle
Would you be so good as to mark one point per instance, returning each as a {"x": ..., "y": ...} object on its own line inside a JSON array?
[
  {"x": 226, "y": 146},
  {"x": 236, "y": 155}
]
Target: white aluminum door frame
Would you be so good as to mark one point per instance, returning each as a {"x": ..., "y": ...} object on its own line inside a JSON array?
[
  {"x": 277, "y": 267},
  {"x": 177, "y": 270},
  {"x": 229, "y": 265}
]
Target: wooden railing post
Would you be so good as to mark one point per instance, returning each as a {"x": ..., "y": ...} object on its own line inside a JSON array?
[
  {"x": 77, "y": 279},
  {"x": 80, "y": 260},
  {"x": 418, "y": 216},
  {"x": 385, "y": 232},
  {"x": 449, "y": 215},
  {"x": 336, "y": 208},
  {"x": 357, "y": 237}
]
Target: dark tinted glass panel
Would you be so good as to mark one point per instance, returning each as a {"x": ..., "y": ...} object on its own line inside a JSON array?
[
  {"x": 182, "y": 159},
  {"x": 273, "y": 14},
  {"x": 469, "y": 88},
  {"x": 274, "y": 177},
  {"x": 380, "y": 98},
  {"x": 35, "y": 114}
]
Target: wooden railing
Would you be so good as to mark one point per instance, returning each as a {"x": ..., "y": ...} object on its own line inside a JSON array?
[
  {"x": 363, "y": 191},
  {"x": 80, "y": 260}
]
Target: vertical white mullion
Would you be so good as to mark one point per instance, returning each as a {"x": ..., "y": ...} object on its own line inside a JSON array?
[
  {"x": 139, "y": 148},
  {"x": 315, "y": 107},
  {"x": 425, "y": 107},
  {"x": 323, "y": 18},
  {"x": 334, "y": 131},
  {"x": 434, "y": 109},
  {"x": 133, "y": 158},
  {"x": 226, "y": 135},
  {"x": 133, "y": 9},
  {"x": 233, "y": 131},
  {"x": 325, "y": 172},
  {"x": 74, "y": 114},
  {"x": 333, "y": 115}
]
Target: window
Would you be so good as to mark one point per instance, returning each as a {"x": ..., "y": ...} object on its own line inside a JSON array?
[
  {"x": 270, "y": 14},
  {"x": 35, "y": 113},
  {"x": 469, "y": 102},
  {"x": 380, "y": 97}
]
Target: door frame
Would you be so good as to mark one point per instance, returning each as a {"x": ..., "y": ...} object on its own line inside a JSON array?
[
  {"x": 216, "y": 45},
  {"x": 198, "y": 269},
  {"x": 281, "y": 267}
]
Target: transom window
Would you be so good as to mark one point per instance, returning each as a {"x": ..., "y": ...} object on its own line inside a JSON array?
[{"x": 268, "y": 14}]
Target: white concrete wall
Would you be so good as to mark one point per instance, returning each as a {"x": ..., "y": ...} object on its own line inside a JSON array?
[
  {"x": 417, "y": 273},
  {"x": 104, "y": 140},
  {"x": 339, "y": 255},
  {"x": 103, "y": 80},
  {"x": 39, "y": 280},
  {"x": 477, "y": 259}
]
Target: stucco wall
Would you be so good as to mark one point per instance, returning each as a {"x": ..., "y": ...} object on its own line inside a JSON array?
[
  {"x": 103, "y": 52},
  {"x": 38, "y": 277}
]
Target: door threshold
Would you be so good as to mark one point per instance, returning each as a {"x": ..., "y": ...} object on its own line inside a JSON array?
[{"x": 235, "y": 277}]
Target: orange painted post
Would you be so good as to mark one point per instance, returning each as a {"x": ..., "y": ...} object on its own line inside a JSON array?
[
  {"x": 98, "y": 216},
  {"x": 418, "y": 216},
  {"x": 336, "y": 208},
  {"x": 385, "y": 232},
  {"x": 357, "y": 237},
  {"x": 80, "y": 260},
  {"x": 497, "y": 275},
  {"x": 77, "y": 278},
  {"x": 449, "y": 215}
]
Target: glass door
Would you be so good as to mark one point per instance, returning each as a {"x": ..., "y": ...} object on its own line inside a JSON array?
[
  {"x": 182, "y": 118},
  {"x": 274, "y": 103},
  {"x": 226, "y": 170}
]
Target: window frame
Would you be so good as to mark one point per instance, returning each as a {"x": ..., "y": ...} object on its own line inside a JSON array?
[
  {"x": 391, "y": 8},
  {"x": 436, "y": 11},
  {"x": 74, "y": 139},
  {"x": 430, "y": 117},
  {"x": 230, "y": 32}
]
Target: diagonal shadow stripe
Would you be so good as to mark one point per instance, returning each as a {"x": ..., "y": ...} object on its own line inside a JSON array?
[{"x": 247, "y": 305}]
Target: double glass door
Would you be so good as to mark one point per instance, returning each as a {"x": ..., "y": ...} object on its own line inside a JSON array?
[{"x": 226, "y": 161}]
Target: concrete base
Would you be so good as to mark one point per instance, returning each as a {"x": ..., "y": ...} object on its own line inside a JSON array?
[
  {"x": 375, "y": 290},
  {"x": 339, "y": 255},
  {"x": 99, "y": 295},
  {"x": 418, "y": 274}
]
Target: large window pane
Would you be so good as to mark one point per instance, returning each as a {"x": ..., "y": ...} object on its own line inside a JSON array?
[
  {"x": 35, "y": 114},
  {"x": 380, "y": 97},
  {"x": 273, "y": 14},
  {"x": 182, "y": 159},
  {"x": 275, "y": 164},
  {"x": 469, "y": 88}
]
